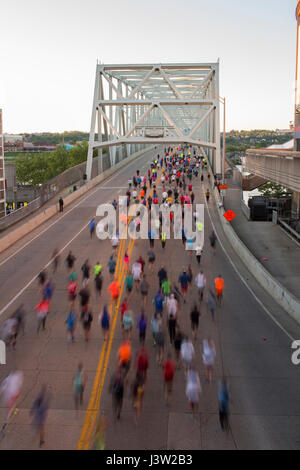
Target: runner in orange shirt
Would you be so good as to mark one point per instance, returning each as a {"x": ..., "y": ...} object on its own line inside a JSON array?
[
  {"x": 219, "y": 283},
  {"x": 124, "y": 355},
  {"x": 114, "y": 289}
]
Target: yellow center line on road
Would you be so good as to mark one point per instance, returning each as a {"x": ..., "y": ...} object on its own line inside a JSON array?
[
  {"x": 93, "y": 415},
  {"x": 94, "y": 403},
  {"x": 95, "y": 390}
]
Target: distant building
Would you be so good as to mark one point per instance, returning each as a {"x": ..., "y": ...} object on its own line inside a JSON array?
[
  {"x": 12, "y": 138},
  {"x": 283, "y": 131}
]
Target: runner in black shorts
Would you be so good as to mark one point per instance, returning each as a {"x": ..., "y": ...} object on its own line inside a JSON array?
[{"x": 195, "y": 314}]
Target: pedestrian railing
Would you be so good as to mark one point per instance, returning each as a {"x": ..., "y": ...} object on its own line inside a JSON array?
[{"x": 289, "y": 229}]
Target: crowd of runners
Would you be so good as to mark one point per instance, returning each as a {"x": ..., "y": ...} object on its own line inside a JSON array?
[{"x": 168, "y": 302}]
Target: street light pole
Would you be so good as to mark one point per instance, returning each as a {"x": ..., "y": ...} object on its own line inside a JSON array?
[
  {"x": 224, "y": 139},
  {"x": 223, "y": 102}
]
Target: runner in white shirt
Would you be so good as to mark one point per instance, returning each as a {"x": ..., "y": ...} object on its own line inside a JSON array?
[
  {"x": 172, "y": 306},
  {"x": 10, "y": 391},
  {"x": 164, "y": 196},
  {"x": 136, "y": 272},
  {"x": 209, "y": 355},
  {"x": 187, "y": 352},
  {"x": 200, "y": 281},
  {"x": 193, "y": 390},
  {"x": 115, "y": 242}
]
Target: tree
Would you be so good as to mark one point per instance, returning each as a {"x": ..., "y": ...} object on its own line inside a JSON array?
[
  {"x": 36, "y": 169},
  {"x": 274, "y": 190}
]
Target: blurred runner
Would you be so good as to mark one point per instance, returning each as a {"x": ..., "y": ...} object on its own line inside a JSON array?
[
  {"x": 187, "y": 352},
  {"x": 86, "y": 318},
  {"x": 116, "y": 388},
  {"x": 71, "y": 325},
  {"x": 138, "y": 390},
  {"x": 184, "y": 282},
  {"x": 219, "y": 284},
  {"x": 56, "y": 259},
  {"x": 10, "y": 391},
  {"x": 105, "y": 320},
  {"x": 142, "y": 363},
  {"x": 209, "y": 355},
  {"x": 177, "y": 346},
  {"x": 92, "y": 227},
  {"x": 112, "y": 266},
  {"x": 98, "y": 285},
  {"x": 211, "y": 303},
  {"x": 42, "y": 311},
  {"x": 169, "y": 373},
  {"x": 142, "y": 326},
  {"x": 193, "y": 390},
  {"x": 195, "y": 314},
  {"x": 79, "y": 381},
  {"x": 200, "y": 281},
  {"x": 151, "y": 259},
  {"x": 213, "y": 239},
  {"x": 223, "y": 398},
  {"x": 127, "y": 324},
  {"x": 124, "y": 355},
  {"x": 114, "y": 289},
  {"x": 70, "y": 260},
  {"x": 39, "y": 412},
  {"x": 144, "y": 290},
  {"x": 172, "y": 323}
]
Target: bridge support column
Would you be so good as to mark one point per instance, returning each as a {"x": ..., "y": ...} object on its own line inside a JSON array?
[{"x": 296, "y": 205}]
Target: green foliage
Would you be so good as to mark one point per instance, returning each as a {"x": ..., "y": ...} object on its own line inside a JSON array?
[
  {"x": 274, "y": 190},
  {"x": 38, "y": 168},
  {"x": 240, "y": 141},
  {"x": 52, "y": 138}
]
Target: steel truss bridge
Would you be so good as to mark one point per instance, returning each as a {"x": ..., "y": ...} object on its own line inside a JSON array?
[{"x": 139, "y": 104}]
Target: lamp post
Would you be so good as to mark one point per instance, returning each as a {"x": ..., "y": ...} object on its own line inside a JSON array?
[
  {"x": 297, "y": 88},
  {"x": 223, "y": 102}
]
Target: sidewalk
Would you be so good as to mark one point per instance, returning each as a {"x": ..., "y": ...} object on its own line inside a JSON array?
[{"x": 265, "y": 240}]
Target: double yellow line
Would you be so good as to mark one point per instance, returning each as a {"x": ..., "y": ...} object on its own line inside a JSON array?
[{"x": 94, "y": 403}]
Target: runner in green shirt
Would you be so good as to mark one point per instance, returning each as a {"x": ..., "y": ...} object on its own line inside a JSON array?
[
  {"x": 97, "y": 269},
  {"x": 166, "y": 287}
]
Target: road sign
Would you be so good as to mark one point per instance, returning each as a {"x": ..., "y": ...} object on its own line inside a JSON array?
[{"x": 229, "y": 215}]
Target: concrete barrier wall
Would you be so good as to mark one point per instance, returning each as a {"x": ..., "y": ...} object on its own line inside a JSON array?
[
  {"x": 42, "y": 217},
  {"x": 287, "y": 300},
  {"x": 246, "y": 210}
]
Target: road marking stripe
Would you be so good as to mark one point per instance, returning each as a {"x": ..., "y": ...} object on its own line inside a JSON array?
[
  {"x": 91, "y": 414},
  {"x": 95, "y": 389},
  {"x": 242, "y": 278},
  {"x": 95, "y": 411}
]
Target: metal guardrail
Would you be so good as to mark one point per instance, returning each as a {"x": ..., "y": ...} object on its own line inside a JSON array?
[
  {"x": 67, "y": 179},
  {"x": 18, "y": 214},
  {"x": 289, "y": 229}
]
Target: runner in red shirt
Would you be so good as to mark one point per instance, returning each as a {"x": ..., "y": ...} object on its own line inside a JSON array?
[
  {"x": 169, "y": 372},
  {"x": 142, "y": 363}
]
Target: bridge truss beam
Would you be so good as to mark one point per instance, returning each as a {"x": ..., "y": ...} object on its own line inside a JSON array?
[{"x": 139, "y": 104}]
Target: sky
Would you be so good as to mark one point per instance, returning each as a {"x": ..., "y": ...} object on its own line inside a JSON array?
[{"x": 49, "y": 50}]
